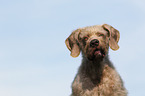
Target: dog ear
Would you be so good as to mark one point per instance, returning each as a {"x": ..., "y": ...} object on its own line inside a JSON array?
[
  {"x": 114, "y": 36},
  {"x": 72, "y": 43}
]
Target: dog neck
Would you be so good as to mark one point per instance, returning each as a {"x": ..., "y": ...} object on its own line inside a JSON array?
[{"x": 93, "y": 69}]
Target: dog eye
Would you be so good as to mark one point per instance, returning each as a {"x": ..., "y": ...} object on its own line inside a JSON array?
[
  {"x": 101, "y": 35},
  {"x": 86, "y": 38}
]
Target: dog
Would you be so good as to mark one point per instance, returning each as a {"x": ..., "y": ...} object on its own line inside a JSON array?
[{"x": 96, "y": 75}]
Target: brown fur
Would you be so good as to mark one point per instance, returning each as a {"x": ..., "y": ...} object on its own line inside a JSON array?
[{"x": 96, "y": 75}]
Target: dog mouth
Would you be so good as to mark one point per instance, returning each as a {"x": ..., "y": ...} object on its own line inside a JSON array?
[
  {"x": 99, "y": 52},
  {"x": 96, "y": 53}
]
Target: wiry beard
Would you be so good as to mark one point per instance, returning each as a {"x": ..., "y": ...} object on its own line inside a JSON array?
[{"x": 95, "y": 53}]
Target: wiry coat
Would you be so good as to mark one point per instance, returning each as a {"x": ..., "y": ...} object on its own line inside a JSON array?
[{"x": 96, "y": 75}]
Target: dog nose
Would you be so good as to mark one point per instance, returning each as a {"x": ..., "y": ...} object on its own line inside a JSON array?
[{"x": 94, "y": 43}]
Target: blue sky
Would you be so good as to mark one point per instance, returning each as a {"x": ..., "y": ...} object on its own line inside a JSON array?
[{"x": 34, "y": 60}]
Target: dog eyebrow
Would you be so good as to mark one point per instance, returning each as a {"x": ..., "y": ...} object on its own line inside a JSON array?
[
  {"x": 84, "y": 35},
  {"x": 100, "y": 33},
  {"x": 88, "y": 35}
]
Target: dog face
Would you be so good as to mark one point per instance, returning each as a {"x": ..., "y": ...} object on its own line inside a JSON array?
[{"x": 93, "y": 41}]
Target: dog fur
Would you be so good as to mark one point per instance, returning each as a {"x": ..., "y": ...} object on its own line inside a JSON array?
[{"x": 96, "y": 75}]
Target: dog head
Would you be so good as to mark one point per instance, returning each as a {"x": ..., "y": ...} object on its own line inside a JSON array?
[{"x": 93, "y": 41}]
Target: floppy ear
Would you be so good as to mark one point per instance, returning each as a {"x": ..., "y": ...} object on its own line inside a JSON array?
[
  {"x": 72, "y": 43},
  {"x": 114, "y": 36}
]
